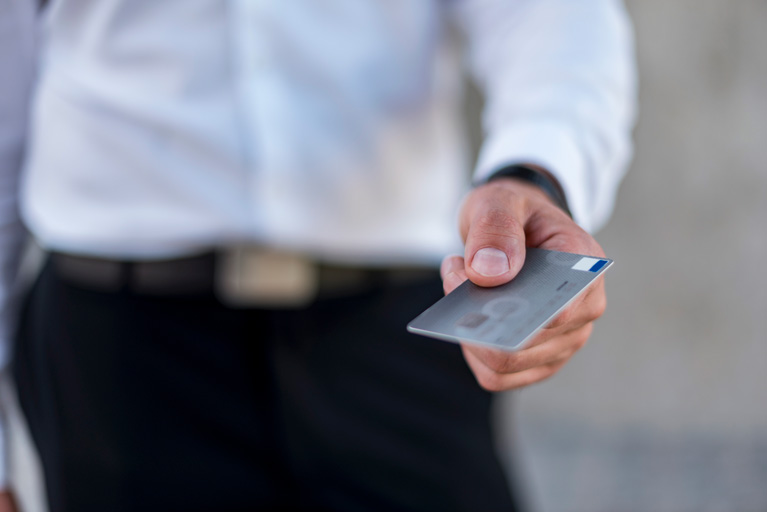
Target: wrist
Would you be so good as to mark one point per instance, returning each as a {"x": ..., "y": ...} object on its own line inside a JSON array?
[{"x": 538, "y": 177}]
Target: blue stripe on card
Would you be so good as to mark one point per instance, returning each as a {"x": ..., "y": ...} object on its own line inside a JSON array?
[{"x": 596, "y": 266}]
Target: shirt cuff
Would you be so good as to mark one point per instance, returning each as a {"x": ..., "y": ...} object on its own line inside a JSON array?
[{"x": 547, "y": 144}]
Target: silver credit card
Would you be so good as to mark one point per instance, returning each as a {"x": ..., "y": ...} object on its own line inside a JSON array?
[{"x": 508, "y": 316}]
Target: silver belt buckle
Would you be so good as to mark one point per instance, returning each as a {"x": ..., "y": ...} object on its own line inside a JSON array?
[{"x": 251, "y": 276}]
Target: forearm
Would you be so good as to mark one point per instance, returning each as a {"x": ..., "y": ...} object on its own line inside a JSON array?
[{"x": 559, "y": 80}]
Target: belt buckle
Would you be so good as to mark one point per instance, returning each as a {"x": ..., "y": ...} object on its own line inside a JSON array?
[{"x": 251, "y": 276}]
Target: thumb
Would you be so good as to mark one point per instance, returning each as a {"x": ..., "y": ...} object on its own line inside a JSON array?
[{"x": 494, "y": 237}]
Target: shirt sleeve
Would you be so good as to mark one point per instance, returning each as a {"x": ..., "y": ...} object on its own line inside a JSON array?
[
  {"x": 17, "y": 62},
  {"x": 559, "y": 81}
]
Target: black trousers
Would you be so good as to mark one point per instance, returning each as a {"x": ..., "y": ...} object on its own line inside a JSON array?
[{"x": 178, "y": 403}]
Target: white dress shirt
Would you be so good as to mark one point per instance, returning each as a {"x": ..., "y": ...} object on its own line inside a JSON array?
[{"x": 331, "y": 127}]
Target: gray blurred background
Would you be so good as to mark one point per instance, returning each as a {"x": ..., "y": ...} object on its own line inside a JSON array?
[{"x": 666, "y": 407}]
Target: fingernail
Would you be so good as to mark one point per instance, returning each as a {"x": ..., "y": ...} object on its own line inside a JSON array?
[{"x": 490, "y": 262}]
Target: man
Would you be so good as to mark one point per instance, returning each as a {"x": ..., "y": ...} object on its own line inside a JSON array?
[{"x": 242, "y": 202}]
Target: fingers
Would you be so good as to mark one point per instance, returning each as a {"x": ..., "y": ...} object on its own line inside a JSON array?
[
  {"x": 497, "y": 371},
  {"x": 498, "y": 220},
  {"x": 553, "y": 349},
  {"x": 452, "y": 272},
  {"x": 492, "y": 381},
  {"x": 587, "y": 308},
  {"x": 492, "y": 225}
]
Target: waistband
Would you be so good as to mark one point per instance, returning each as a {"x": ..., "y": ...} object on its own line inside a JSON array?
[{"x": 239, "y": 276}]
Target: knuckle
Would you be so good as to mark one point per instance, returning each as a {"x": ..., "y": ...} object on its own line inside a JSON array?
[
  {"x": 576, "y": 240},
  {"x": 498, "y": 222},
  {"x": 590, "y": 246},
  {"x": 493, "y": 361},
  {"x": 596, "y": 249},
  {"x": 600, "y": 305},
  {"x": 501, "y": 363},
  {"x": 490, "y": 381}
]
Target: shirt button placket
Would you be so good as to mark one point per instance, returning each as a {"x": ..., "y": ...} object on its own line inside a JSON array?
[{"x": 250, "y": 47}]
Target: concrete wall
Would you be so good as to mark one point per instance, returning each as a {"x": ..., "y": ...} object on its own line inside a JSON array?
[{"x": 666, "y": 408}]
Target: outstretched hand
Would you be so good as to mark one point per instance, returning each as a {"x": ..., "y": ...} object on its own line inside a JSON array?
[{"x": 497, "y": 221}]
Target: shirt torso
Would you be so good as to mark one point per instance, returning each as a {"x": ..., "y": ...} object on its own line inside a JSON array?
[{"x": 330, "y": 127}]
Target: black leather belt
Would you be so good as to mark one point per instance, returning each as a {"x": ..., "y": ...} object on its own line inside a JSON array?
[{"x": 204, "y": 273}]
